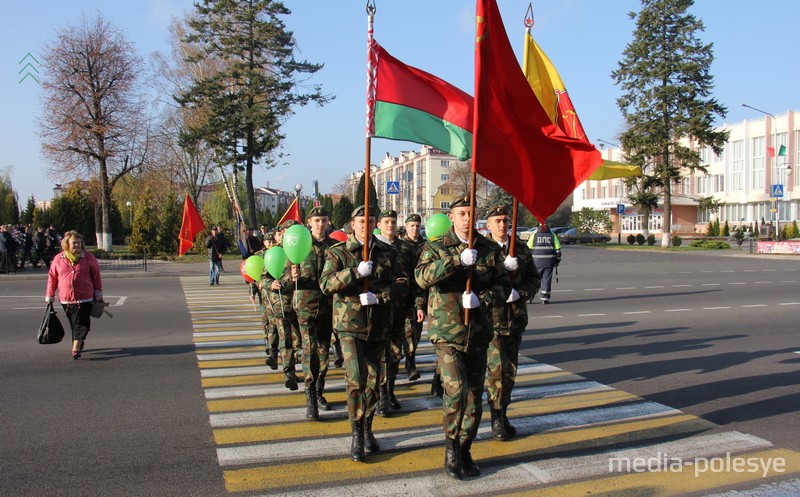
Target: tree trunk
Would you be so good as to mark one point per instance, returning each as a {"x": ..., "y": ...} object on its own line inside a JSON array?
[
  {"x": 104, "y": 236},
  {"x": 666, "y": 225}
]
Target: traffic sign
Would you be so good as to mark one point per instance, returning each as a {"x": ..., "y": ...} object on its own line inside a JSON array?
[
  {"x": 777, "y": 191},
  {"x": 393, "y": 187},
  {"x": 620, "y": 208}
]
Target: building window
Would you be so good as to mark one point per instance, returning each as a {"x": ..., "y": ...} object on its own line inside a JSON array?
[
  {"x": 737, "y": 166},
  {"x": 445, "y": 164},
  {"x": 702, "y": 185},
  {"x": 444, "y": 205},
  {"x": 444, "y": 191},
  {"x": 703, "y": 156},
  {"x": 444, "y": 177},
  {"x": 757, "y": 166}
]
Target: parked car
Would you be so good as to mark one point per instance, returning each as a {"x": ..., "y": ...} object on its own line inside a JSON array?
[
  {"x": 558, "y": 229},
  {"x": 572, "y": 236},
  {"x": 527, "y": 234}
]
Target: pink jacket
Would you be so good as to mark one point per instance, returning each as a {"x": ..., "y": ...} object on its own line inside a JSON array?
[{"x": 80, "y": 283}]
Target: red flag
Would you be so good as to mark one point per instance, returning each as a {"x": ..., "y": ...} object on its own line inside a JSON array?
[
  {"x": 191, "y": 225},
  {"x": 293, "y": 212},
  {"x": 771, "y": 151},
  {"x": 515, "y": 144}
]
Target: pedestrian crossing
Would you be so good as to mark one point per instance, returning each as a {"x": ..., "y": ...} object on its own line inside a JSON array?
[{"x": 575, "y": 436}]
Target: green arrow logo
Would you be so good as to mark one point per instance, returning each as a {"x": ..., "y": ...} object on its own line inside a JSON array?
[{"x": 29, "y": 68}]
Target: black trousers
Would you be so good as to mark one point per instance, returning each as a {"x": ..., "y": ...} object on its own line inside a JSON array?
[{"x": 79, "y": 319}]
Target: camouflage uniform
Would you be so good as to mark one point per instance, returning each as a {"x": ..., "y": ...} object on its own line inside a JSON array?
[
  {"x": 362, "y": 331},
  {"x": 270, "y": 330},
  {"x": 510, "y": 321},
  {"x": 461, "y": 348},
  {"x": 413, "y": 329},
  {"x": 285, "y": 320},
  {"x": 313, "y": 310}
]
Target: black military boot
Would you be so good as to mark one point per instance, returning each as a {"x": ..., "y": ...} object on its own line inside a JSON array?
[
  {"x": 357, "y": 444},
  {"x": 468, "y": 467},
  {"x": 452, "y": 459},
  {"x": 272, "y": 358},
  {"x": 508, "y": 426},
  {"x": 312, "y": 411},
  {"x": 291, "y": 380},
  {"x": 321, "y": 400},
  {"x": 370, "y": 443},
  {"x": 436, "y": 385},
  {"x": 393, "y": 402},
  {"x": 383, "y": 401},
  {"x": 498, "y": 429},
  {"x": 411, "y": 368}
]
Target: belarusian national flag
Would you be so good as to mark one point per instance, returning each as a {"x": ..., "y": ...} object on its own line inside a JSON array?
[{"x": 406, "y": 103}]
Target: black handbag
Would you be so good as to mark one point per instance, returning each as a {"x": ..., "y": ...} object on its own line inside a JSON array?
[{"x": 50, "y": 330}]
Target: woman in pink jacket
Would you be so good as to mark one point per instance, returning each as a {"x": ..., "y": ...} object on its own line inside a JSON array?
[{"x": 76, "y": 275}]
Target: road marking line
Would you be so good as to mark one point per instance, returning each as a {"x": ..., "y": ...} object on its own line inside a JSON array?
[
  {"x": 655, "y": 286},
  {"x": 715, "y": 308},
  {"x": 709, "y": 284},
  {"x": 755, "y": 305},
  {"x": 638, "y": 312},
  {"x": 590, "y": 315},
  {"x": 676, "y": 310}
]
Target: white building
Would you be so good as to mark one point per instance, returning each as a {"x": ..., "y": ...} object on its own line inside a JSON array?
[{"x": 743, "y": 177}]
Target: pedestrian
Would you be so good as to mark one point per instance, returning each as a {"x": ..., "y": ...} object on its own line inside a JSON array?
[
  {"x": 27, "y": 247},
  {"x": 415, "y": 316},
  {"x": 52, "y": 244},
  {"x": 271, "y": 339},
  {"x": 74, "y": 272},
  {"x": 39, "y": 245},
  {"x": 313, "y": 309},
  {"x": 4, "y": 242},
  {"x": 252, "y": 243},
  {"x": 444, "y": 267},
  {"x": 510, "y": 321},
  {"x": 546, "y": 257},
  {"x": 363, "y": 292},
  {"x": 215, "y": 243}
]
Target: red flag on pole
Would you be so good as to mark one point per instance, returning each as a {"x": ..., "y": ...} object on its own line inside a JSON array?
[
  {"x": 293, "y": 212},
  {"x": 191, "y": 225},
  {"x": 515, "y": 144}
]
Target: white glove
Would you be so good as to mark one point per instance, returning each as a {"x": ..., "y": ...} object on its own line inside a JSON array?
[
  {"x": 48, "y": 299},
  {"x": 364, "y": 268},
  {"x": 469, "y": 257},
  {"x": 511, "y": 263},
  {"x": 368, "y": 298},
  {"x": 513, "y": 297},
  {"x": 470, "y": 300}
]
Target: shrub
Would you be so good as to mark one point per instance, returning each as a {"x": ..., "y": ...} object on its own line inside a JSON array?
[
  {"x": 726, "y": 230},
  {"x": 710, "y": 244},
  {"x": 631, "y": 239},
  {"x": 640, "y": 239},
  {"x": 651, "y": 239},
  {"x": 676, "y": 241}
]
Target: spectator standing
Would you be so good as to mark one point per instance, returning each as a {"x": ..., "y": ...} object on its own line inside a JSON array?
[
  {"x": 216, "y": 245},
  {"x": 76, "y": 275}
]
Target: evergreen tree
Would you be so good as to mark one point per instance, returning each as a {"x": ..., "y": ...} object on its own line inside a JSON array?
[
  {"x": 666, "y": 84},
  {"x": 373, "y": 196},
  {"x": 72, "y": 210},
  {"x": 341, "y": 212},
  {"x": 27, "y": 214},
  {"x": 255, "y": 90},
  {"x": 327, "y": 203},
  {"x": 144, "y": 229},
  {"x": 726, "y": 230},
  {"x": 9, "y": 209},
  {"x": 169, "y": 224}
]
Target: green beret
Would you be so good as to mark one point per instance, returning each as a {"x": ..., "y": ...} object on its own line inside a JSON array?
[
  {"x": 359, "y": 211},
  {"x": 318, "y": 211},
  {"x": 414, "y": 218},
  {"x": 498, "y": 210},
  {"x": 287, "y": 224},
  {"x": 387, "y": 213},
  {"x": 461, "y": 202}
]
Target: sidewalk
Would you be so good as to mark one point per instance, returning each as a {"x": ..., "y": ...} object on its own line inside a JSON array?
[{"x": 154, "y": 269}]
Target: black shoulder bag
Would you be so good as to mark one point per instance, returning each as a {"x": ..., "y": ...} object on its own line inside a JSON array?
[{"x": 50, "y": 330}]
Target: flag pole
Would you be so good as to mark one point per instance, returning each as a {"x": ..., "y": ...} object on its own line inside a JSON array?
[{"x": 371, "y": 9}]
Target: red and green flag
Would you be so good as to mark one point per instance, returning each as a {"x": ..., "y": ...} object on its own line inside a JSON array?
[{"x": 406, "y": 103}]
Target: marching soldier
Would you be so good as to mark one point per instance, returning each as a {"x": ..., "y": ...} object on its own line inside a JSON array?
[
  {"x": 510, "y": 321},
  {"x": 416, "y": 316},
  {"x": 444, "y": 267},
  {"x": 268, "y": 316},
  {"x": 313, "y": 310},
  {"x": 362, "y": 315}
]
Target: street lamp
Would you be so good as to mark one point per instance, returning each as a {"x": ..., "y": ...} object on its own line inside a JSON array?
[
  {"x": 775, "y": 166},
  {"x": 128, "y": 204},
  {"x": 602, "y": 142}
]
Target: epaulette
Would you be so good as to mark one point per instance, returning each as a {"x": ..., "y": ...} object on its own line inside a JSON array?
[{"x": 336, "y": 244}]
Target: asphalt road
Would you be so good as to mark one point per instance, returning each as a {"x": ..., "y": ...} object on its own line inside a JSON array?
[{"x": 712, "y": 335}]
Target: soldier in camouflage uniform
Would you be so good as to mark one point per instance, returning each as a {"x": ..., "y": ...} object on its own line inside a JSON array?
[
  {"x": 444, "y": 267},
  {"x": 268, "y": 317},
  {"x": 278, "y": 294},
  {"x": 363, "y": 318},
  {"x": 387, "y": 224},
  {"x": 510, "y": 321},
  {"x": 416, "y": 315},
  {"x": 313, "y": 309}
]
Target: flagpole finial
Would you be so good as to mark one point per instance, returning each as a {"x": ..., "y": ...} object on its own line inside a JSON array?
[
  {"x": 371, "y": 7},
  {"x": 529, "y": 16}
]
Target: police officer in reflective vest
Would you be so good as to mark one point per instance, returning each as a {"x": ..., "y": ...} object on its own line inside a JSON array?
[{"x": 546, "y": 257}]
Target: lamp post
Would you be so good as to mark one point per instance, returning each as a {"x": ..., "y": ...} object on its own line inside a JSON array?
[
  {"x": 775, "y": 165},
  {"x": 128, "y": 204},
  {"x": 619, "y": 202},
  {"x": 603, "y": 142}
]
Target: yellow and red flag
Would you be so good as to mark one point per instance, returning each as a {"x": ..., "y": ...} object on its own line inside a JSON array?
[
  {"x": 293, "y": 212},
  {"x": 191, "y": 225}
]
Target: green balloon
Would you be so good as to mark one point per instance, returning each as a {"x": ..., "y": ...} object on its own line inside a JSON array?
[
  {"x": 437, "y": 225},
  {"x": 376, "y": 231},
  {"x": 275, "y": 261},
  {"x": 297, "y": 243},
  {"x": 253, "y": 266}
]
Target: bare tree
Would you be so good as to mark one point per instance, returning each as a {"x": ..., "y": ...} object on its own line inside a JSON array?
[
  {"x": 459, "y": 178},
  {"x": 93, "y": 118}
]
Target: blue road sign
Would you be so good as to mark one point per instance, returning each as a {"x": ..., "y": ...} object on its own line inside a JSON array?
[
  {"x": 777, "y": 191},
  {"x": 393, "y": 187},
  {"x": 620, "y": 208}
]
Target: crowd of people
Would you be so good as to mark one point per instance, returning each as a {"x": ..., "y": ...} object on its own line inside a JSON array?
[
  {"x": 21, "y": 244},
  {"x": 369, "y": 306}
]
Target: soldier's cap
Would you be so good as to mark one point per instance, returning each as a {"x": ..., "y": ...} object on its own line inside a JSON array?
[
  {"x": 270, "y": 236},
  {"x": 359, "y": 211},
  {"x": 287, "y": 224},
  {"x": 414, "y": 218},
  {"x": 461, "y": 202},
  {"x": 498, "y": 210},
  {"x": 387, "y": 213},
  {"x": 264, "y": 226},
  {"x": 318, "y": 211}
]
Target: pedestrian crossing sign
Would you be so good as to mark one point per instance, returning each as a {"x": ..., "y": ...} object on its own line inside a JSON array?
[
  {"x": 393, "y": 187},
  {"x": 777, "y": 191}
]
